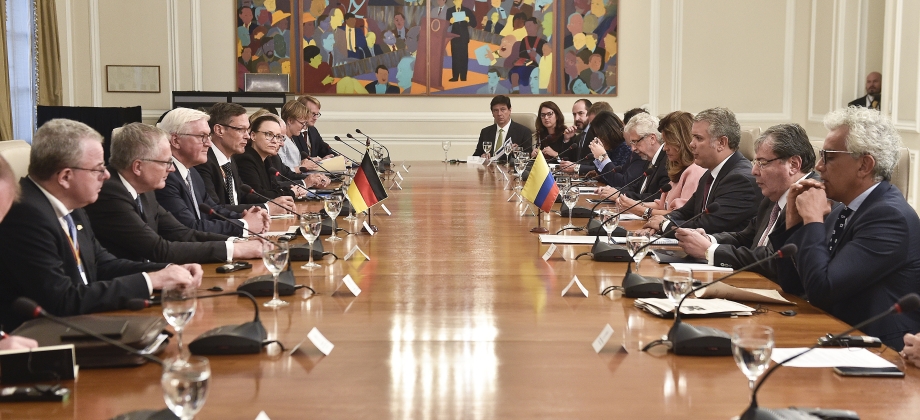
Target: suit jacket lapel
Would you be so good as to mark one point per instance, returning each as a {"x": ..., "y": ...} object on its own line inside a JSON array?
[{"x": 870, "y": 201}]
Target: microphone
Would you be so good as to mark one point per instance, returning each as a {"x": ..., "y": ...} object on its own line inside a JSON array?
[
  {"x": 277, "y": 174},
  {"x": 580, "y": 211},
  {"x": 373, "y": 140},
  {"x": 598, "y": 228},
  {"x": 707, "y": 341},
  {"x": 636, "y": 286},
  {"x": 27, "y": 308},
  {"x": 350, "y": 146},
  {"x": 249, "y": 190},
  {"x": 209, "y": 211},
  {"x": 907, "y": 303},
  {"x": 245, "y": 338},
  {"x": 305, "y": 155},
  {"x": 604, "y": 252},
  {"x": 560, "y": 168}
]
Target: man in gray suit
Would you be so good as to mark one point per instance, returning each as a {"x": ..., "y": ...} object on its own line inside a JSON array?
[{"x": 783, "y": 156}]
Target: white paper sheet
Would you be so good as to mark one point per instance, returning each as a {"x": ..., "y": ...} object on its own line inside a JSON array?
[
  {"x": 824, "y": 358},
  {"x": 700, "y": 267},
  {"x": 589, "y": 240}
]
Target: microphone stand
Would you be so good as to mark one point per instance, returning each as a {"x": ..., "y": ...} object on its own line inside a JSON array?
[
  {"x": 597, "y": 227},
  {"x": 386, "y": 162}
]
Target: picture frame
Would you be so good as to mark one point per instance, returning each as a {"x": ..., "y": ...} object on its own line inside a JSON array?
[{"x": 132, "y": 79}]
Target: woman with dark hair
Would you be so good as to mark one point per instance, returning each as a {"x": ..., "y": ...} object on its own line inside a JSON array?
[
  {"x": 685, "y": 175},
  {"x": 261, "y": 153},
  {"x": 608, "y": 137},
  {"x": 548, "y": 133},
  {"x": 317, "y": 75}
]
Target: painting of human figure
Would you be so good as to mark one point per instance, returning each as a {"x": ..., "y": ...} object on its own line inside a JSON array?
[{"x": 433, "y": 47}]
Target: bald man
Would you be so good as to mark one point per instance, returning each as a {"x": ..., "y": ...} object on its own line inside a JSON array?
[{"x": 873, "y": 98}]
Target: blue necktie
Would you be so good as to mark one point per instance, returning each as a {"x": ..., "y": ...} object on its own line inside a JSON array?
[
  {"x": 75, "y": 245},
  {"x": 838, "y": 228}
]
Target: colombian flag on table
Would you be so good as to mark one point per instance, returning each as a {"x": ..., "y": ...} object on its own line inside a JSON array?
[
  {"x": 541, "y": 188},
  {"x": 366, "y": 188}
]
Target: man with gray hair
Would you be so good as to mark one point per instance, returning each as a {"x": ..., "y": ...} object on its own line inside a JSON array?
[
  {"x": 49, "y": 251},
  {"x": 129, "y": 221},
  {"x": 716, "y": 136},
  {"x": 185, "y": 190},
  {"x": 856, "y": 260},
  {"x": 783, "y": 156},
  {"x": 641, "y": 134}
]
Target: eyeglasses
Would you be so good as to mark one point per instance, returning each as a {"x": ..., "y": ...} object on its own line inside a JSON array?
[
  {"x": 303, "y": 123},
  {"x": 100, "y": 172},
  {"x": 272, "y": 137},
  {"x": 203, "y": 138},
  {"x": 635, "y": 142},
  {"x": 313, "y": 114},
  {"x": 547, "y": 114},
  {"x": 823, "y": 153},
  {"x": 169, "y": 163},
  {"x": 763, "y": 162},
  {"x": 240, "y": 129}
]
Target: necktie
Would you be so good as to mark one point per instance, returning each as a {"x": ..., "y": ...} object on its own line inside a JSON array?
[
  {"x": 140, "y": 208},
  {"x": 500, "y": 142},
  {"x": 228, "y": 183},
  {"x": 75, "y": 245},
  {"x": 766, "y": 232},
  {"x": 709, "y": 179},
  {"x": 191, "y": 193},
  {"x": 838, "y": 228}
]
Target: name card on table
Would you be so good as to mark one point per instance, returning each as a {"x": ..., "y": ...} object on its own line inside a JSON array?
[
  {"x": 320, "y": 341},
  {"x": 385, "y": 209},
  {"x": 406, "y": 167},
  {"x": 602, "y": 339},
  {"x": 352, "y": 251},
  {"x": 575, "y": 281},
  {"x": 549, "y": 252},
  {"x": 399, "y": 175},
  {"x": 351, "y": 285},
  {"x": 472, "y": 160},
  {"x": 367, "y": 227},
  {"x": 262, "y": 416}
]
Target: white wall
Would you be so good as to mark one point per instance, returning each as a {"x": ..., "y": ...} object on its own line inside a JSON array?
[{"x": 770, "y": 61}]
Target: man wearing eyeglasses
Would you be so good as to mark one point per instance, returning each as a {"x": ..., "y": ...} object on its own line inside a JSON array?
[
  {"x": 185, "y": 189},
  {"x": 229, "y": 135},
  {"x": 49, "y": 252},
  {"x": 310, "y": 140},
  {"x": 129, "y": 221},
  {"x": 784, "y": 156},
  {"x": 857, "y": 260},
  {"x": 716, "y": 136}
]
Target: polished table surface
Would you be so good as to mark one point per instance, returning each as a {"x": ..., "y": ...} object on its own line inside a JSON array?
[{"x": 460, "y": 318}]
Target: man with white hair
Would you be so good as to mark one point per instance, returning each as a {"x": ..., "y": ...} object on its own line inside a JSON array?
[
  {"x": 129, "y": 221},
  {"x": 185, "y": 190},
  {"x": 49, "y": 251},
  {"x": 854, "y": 261},
  {"x": 641, "y": 134}
]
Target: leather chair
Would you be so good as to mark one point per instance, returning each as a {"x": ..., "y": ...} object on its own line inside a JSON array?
[
  {"x": 748, "y": 135},
  {"x": 16, "y": 152}
]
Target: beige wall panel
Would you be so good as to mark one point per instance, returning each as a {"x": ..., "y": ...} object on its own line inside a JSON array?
[
  {"x": 217, "y": 45},
  {"x": 822, "y": 56},
  {"x": 875, "y": 38},
  {"x": 907, "y": 67},
  {"x": 733, "y": 55},
  {"x": 133, "y": 33}
]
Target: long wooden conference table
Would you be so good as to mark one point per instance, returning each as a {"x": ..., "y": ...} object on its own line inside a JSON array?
[{"x": 460, "y": 318}]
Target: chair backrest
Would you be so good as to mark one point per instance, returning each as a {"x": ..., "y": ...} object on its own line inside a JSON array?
[
  {"x": 748, "y": 135},
  {"x": 901, "y": 176},
  {"x": 16, "y": 152},
  {"x": 527, "y": 119}
]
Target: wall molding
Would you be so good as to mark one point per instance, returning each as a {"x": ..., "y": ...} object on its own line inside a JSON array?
[
  {"x": 677, "y": 52},
  {"x": 654, "y": 61},
  {"x": 900, "y": 124},
  {"x": 95, "y": 52},
  {"x": 172, "y": 49},
  {"x": 197, "y": 63},
  {"x": 68, "y": 52}
]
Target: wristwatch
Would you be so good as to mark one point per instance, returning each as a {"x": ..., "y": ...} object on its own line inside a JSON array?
[{"x": 648, "y": 213}]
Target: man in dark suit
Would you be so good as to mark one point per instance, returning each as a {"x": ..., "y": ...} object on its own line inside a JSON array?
[
  {"x": 857, "y": 260},
  {"x": 185, "y": 190},
  {"x": 641, "y": 134},
  {"x": 503, "y": 130},
  {"x": 873, "y": 98},
  {"x": 716, "y": 137},
  {"x": 49, "y": 252},
  {"x": 229, "y": 136},
  {"x": 127, "y": 218},
  {"x": 9, "y": 192},
  {"x": 579, "y": 135},
  {"x": 382, "y": 82},
  {"x": 460, "y": 45},
  {"x": 784, "y": 156},
  {"x": 310, "y": 141},
  {"x": 354, "y": 38}
]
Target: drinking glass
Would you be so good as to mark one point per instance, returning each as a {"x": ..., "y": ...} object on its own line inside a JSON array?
[
  {"x": 519, "y": 166},
  {"x": 310, "y": 226},
  {"x": 636, "y": 241},
  {"x": 376, "y": 155},
  {"x": 609, "y": 221},
  {"x": 487, "y": 147},
  {"x": 275, "y": 257},
  {"x": 509, "y": 150},
  {"x": 179, "y": 304},
  {"x": 569, "y": 198},
  {"x": 752, "y": 346},
  {"x": 333, "y": 206},
  {"x": 185, "y": 385},
  {"x": 446, "y": 146},
  {"x": 677, "y": 283}
]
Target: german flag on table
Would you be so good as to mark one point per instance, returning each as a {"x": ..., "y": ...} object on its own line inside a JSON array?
[
  {"x": 366, "y": 188},
  {"x": 541, "y": 188}
]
